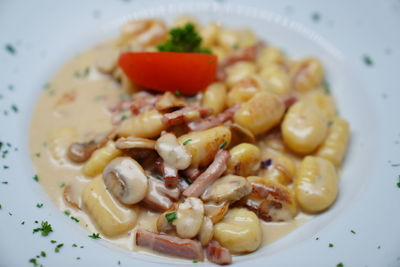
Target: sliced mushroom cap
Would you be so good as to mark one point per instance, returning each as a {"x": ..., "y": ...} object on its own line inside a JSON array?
[
  {"x": 135, "y": 142},
  {"x": 189, "y": 217},
  {"x": 206, "y": 231},
  {"x": 240, "y": 135},
  {"x": 169, "y": 101},
  {"x": 228, "y": 188},
  {"x": 173, "y": 153},
  {"x": 216, "y": 212},
  {"x": 126, "y": 180},
  {"x": 80, "y": 152}
]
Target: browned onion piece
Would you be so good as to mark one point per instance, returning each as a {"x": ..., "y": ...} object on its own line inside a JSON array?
[
  {"x": 212, "y": 173},
  {"x": 170, "y": 245},
  {"x": 218, "y": 254}
]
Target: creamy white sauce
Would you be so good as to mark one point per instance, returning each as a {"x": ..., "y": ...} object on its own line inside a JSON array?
[{"x": 75, "y": 106}]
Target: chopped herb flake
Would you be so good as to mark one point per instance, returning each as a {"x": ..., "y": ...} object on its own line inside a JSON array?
[
  {"x": 330, "y": 245},
  {"x": 195, "y": 261},
  {"x": 62, "y": 185},
  {"x": 396, "y": 165},
  {"x": 353, "y": 232},
  {"x": 74, "y": 245},
  {"x": 379, "y": 247},
  {"x": 43, "y": 254},
  {"x": 367, "y": 60},
  {"x": 36, "y": 178},
  {"x": 119, "y": 262},
  {"x": 5, "y": 182},
  {"x": 330, "y": 123},
  {"x": 67, "y": 212},
  {"x": 178, "y": 93},
  {"x": 123, "y": 117},
  {"x": 317, "y": 238},
  {"x": 10, "y": 49},
  {"x": 186, "y": 142},
  {"x": 45, "y": 229},
  {"x": 14, "y": 108},
  {"x": 78, "y": 258},
  {"x": 189, "y": 181},
  {"x": 9, "y": 213},
  {"x": 316, "y": 17},
  {"x": 37, "y": 155},
  {"x": 23, "y": 222},
  {"x": 53, "y": 241},
  {"x": 39, "y": 205},
  {"x": 171, "y": 216},
  {"x": 221, "y": 146},
  {"x": 340, "y": 265},
  {"x": 95, "y": 235},
  {"x": 74, "y": 219},
  {"x": 183, "y": 39},
  {"x": 398, "y": 184},
  {"x": 58, "y": 247},
  {"x": 35, "y": 263},
  {"x": 327, "y": 87},
  {"x": 5, "y": 167}
]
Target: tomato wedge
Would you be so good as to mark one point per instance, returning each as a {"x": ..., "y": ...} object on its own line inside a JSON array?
[{"x": 170, "y": 71}]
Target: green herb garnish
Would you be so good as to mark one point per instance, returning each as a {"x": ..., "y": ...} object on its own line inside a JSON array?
[
  {"x": 37, "y": 155},
  {"x": 74, "y": 245},
  {"x": 39, "y": 205},
  {"x": 171, "y": 216},
  {"x": 95, "y": 236},
  {"x": 330, "y": 245},
  {"x": 43, "y": 254},
  {"x": 58, "y": 247},
  {"x": 14, "y": 108},
  {"x": 340, "y": 265},
  {"x": 327, "y": 87},
  {"x": 74, "y": 219},
  {"x": 35, "y": 263},
  {"x": 353, "y": 232},
  {"x": 178, "y": 93},
  {"x": 316, "y": 17},
  {"x": 183, "y": 39},
  {"x": 45, "y": 229},
  {"x": 36, "y": 178},
  {"x": 67, "y": 212},
  {"x": 221, "y": 146},
  {"x": 367, "y": 60},
  {"x": 186, "y": 142},
  {"x": 10, "y": 49},
  {"x": 62, "y": 185},
  {"x": 53, "y": 241},
  {"x": 195, "y": 261}
]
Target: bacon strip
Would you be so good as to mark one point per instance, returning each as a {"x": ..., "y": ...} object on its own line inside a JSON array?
[
  {"x": 139, "y": 104},
  {"x": 246, "y": 54},
  {"x": 185, "y": 114},
  {"x": 192, "y": 173},
  {"x": 218, "y": 254},
  {"x": 213, "y": 121},
  {"x": 212, "y": 173},
  {"x": 170, "y": 245}
]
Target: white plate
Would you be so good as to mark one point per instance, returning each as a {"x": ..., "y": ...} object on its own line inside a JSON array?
[{"x": 46, "y": 33}]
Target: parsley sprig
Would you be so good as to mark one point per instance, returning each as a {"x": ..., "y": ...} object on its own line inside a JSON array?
[
  {"x": 46, "y": 229},
  {"x": 183, "y": 39}
]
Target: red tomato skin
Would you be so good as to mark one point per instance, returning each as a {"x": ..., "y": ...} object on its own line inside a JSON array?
[{"x": 169, "y": 71}]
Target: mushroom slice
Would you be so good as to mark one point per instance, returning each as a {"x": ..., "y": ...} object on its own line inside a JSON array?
[
  {"x": 228, "y": 188},
  {"x": 170, "y": 245},
  {"x": 126, "y": 180},
  {"x": 172, "y": 152},
  {"x": 206, "y": 231},
  {"x": 189, "y": 217},
  {"x": 135, "y": 142},
  {"x": 271, "y": 201},
  {"x": 81, "y": 152},
  {"x": 106, "y": 60},
  {"x": 218, "y": 254},
  {"x": 216, "y": 211},
  {"x": 70, "y": 198},
  {"x": 160, "y": 197},
  {"x": 240, "y": 135},
  {"x": 169, "y": 101}
]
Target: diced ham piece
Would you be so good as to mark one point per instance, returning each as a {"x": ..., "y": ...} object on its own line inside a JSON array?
[
  {"x": 139, "y": 104},
  {"x": 170, "y": 176},
  {"x": 192, "y": 173},
  {"x": 217, "y": 254},
  {"x": 215, "y": 120},
  {"x": 212, "y": 173},
  {"x": 185, "y": 114},
  {"x": 170, "y": 245},
  {"x": 246, "y": 54}
]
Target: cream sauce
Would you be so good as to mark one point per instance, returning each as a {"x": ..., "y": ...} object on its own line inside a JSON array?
[{"x": 73, "y": 107}]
